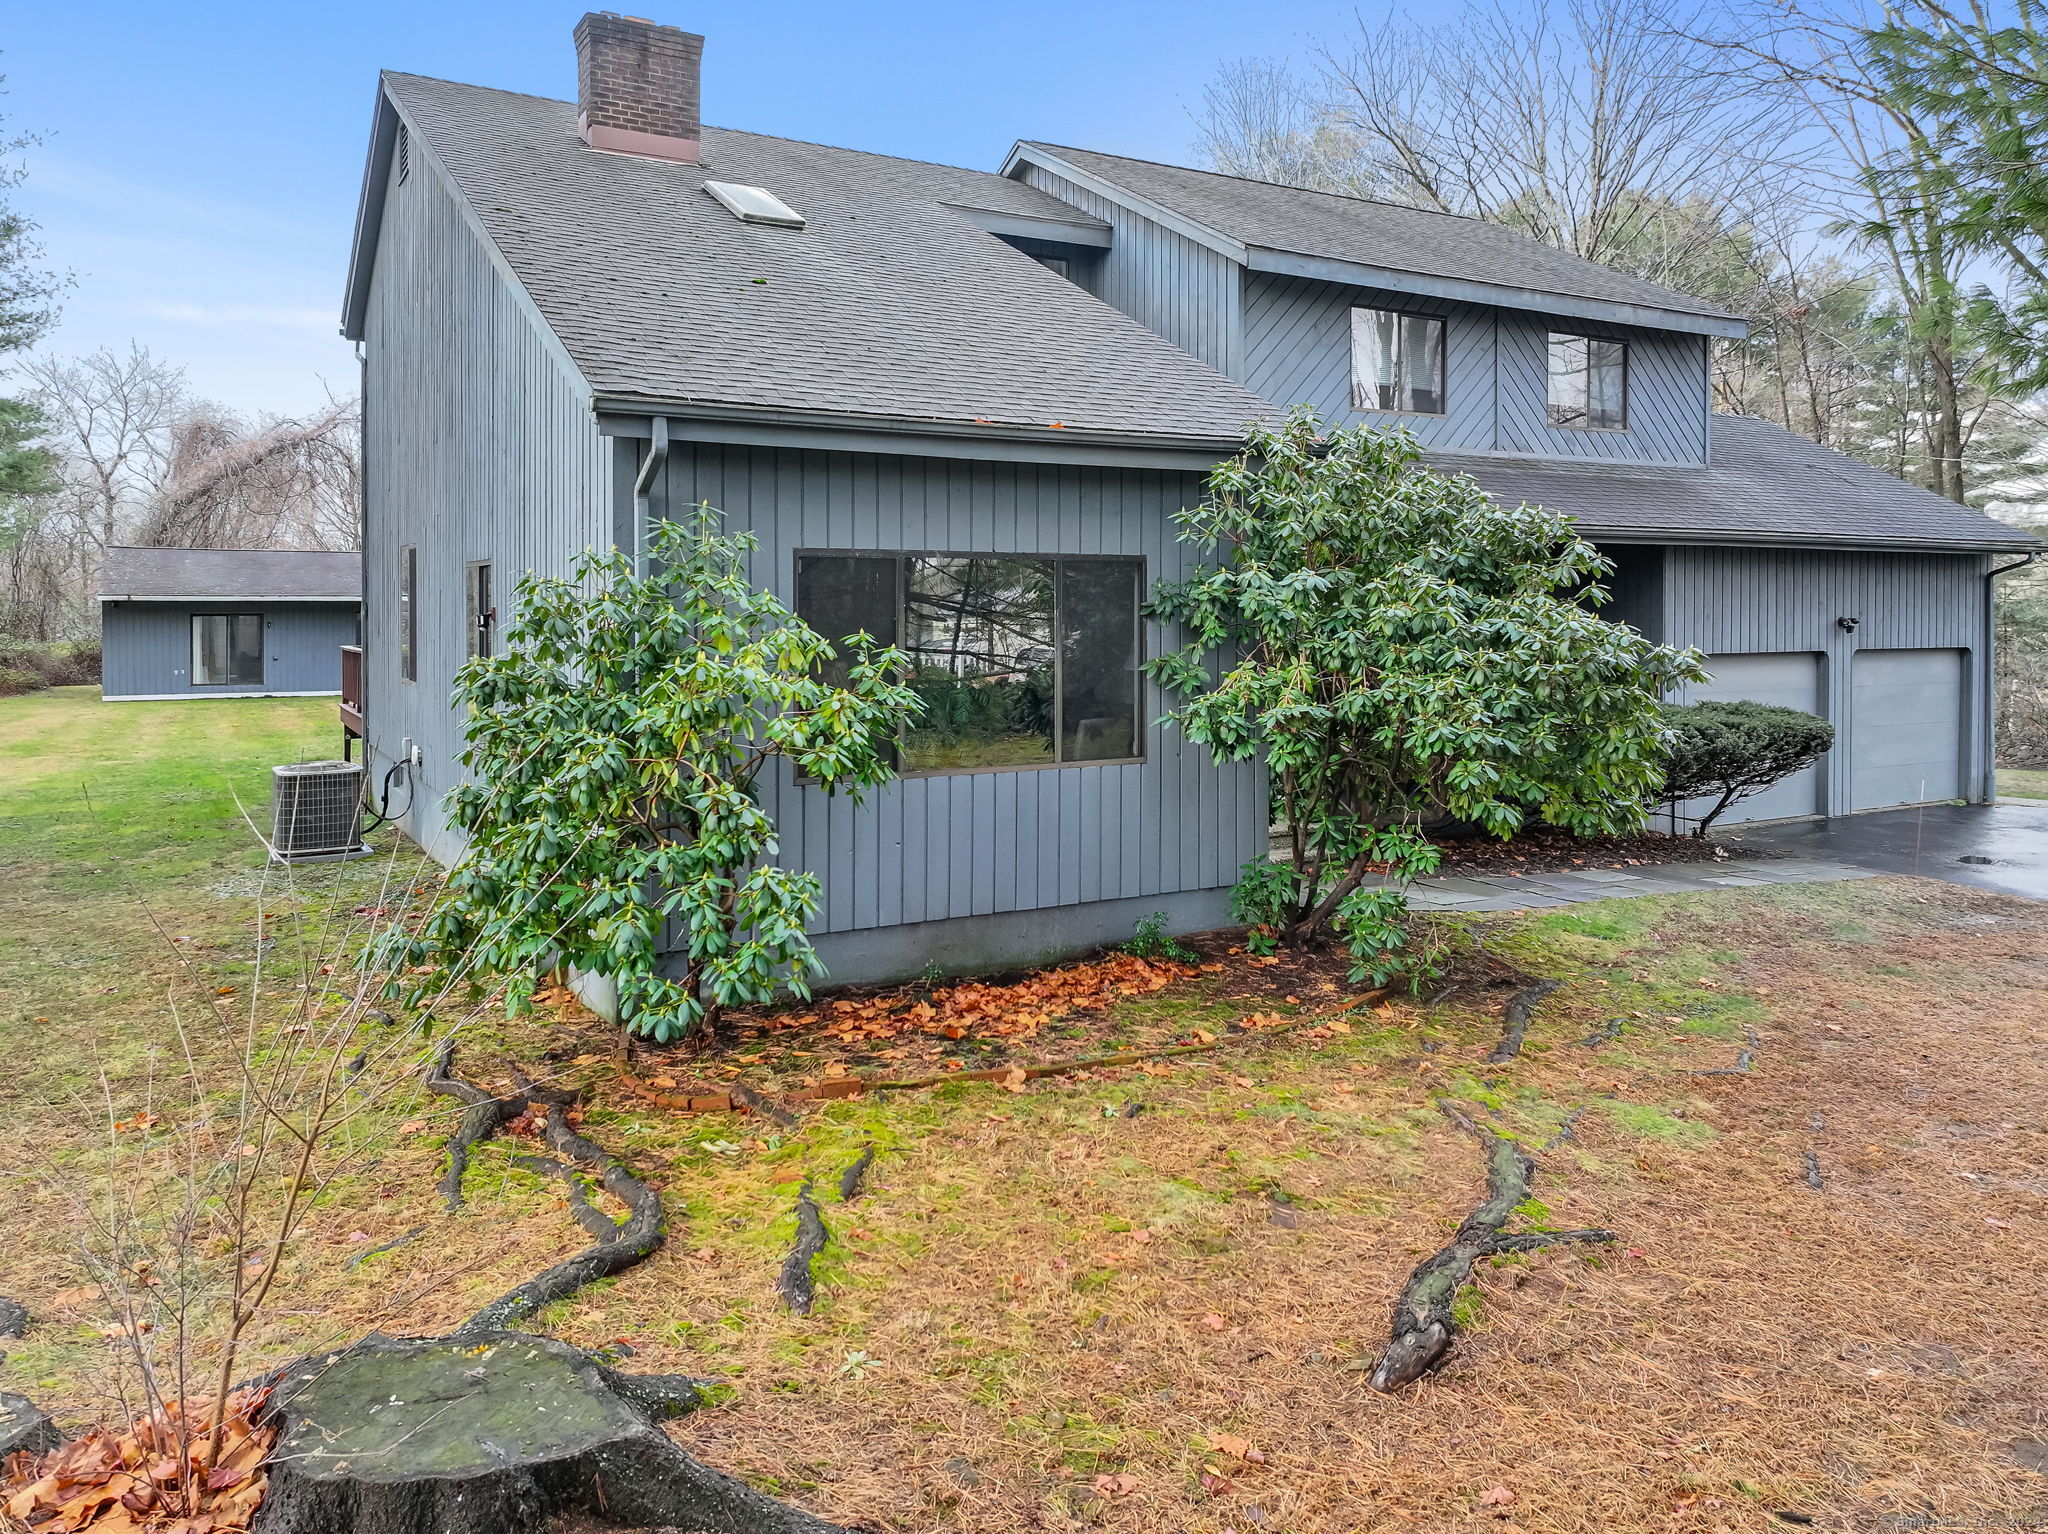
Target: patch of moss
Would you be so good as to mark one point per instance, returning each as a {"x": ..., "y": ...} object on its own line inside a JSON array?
[
  {"x": 1652, "y": 1122},
  {"x": 1468, "y": 1307}
]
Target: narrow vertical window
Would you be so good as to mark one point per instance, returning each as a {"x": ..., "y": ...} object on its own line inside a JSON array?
[
  {"x": 1397, "y": 362},
  {"x": 227, "y": 650},
  {"x": 1588, "y": 383},
  {"x": 481, "y": 611},
  {"x": 408, "y": 613},
  {"x": 1098, "y": 660}
]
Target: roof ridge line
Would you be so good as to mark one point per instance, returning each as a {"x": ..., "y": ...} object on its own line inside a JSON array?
[
  {"x": 1285, "y": 186},
  {"x": 779, "y": 138}
]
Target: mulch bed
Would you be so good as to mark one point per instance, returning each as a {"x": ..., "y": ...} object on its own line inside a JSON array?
[
  {"x": 1094, "y": 1006},
  {"x": 1552, "y": 852}
]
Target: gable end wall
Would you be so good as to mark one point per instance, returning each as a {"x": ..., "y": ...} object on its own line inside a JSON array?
[
  {"x": 1165, "y": 281},
  {"x": 479, "y": 444}
]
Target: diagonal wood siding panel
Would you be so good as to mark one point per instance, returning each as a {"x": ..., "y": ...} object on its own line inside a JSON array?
[
  {"x": 1297, "y": 346},
  {"x": 1667, "y": 393}
]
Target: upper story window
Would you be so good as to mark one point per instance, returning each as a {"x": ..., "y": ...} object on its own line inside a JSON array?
[
  {"x": 1588, "y": 383},
  {"x": 1397, "y": 362},
  {"x": 1021, "y": 660}
]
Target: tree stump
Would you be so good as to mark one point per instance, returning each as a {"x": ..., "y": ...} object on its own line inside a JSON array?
[
  {"x": 25, "y": 1427},
  {"x": 492, "y": 1433}
]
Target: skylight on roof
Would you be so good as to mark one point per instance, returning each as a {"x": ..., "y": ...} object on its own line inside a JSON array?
[{"x": 755, "y": 205}]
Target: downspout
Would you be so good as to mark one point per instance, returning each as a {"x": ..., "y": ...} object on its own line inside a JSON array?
[
  {"x": 1988, "y": 787},
  {"x": 643, "y": 490}
]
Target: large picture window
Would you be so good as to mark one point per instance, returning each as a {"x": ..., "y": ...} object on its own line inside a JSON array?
[
  {"x": 1588, "y": 383},
  {"x": 1397, "y": 362},
  {"x": 227, "y": 649},
  {"x": 1021, "y": 660}
]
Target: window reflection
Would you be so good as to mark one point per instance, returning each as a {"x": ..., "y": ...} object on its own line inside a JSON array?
[{"x": 979, "y": 633}]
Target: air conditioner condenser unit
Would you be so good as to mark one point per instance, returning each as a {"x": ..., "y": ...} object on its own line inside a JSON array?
[{"x": 316, "y": 811}]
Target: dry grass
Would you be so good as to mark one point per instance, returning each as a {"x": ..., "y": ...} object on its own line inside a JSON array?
[{"x": 1050, "y": 1313}]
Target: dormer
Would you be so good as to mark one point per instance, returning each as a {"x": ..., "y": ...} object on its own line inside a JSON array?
[{"x": 1476, "y": 338}]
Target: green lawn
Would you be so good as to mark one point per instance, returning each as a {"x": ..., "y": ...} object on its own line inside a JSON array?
[
  {"x": 116, "y": 817},
  {"x": 2023, "y": 784}
]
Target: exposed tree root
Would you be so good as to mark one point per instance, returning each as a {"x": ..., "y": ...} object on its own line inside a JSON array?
[
  {"x": 1744, "y": 1059},
  {"x": 1564, "y": 1130},
  {"x": 1604, "y": 1033},
  {"x": 484, "y": 1117},
  {"x": 1814, "y": 1180},
  {"x": 849, "y": 1180},
  {"x": 619, "y": 1244},
  {"x": 794, "y": 1284},
  {"x": 599, "y": 1225},
  {"x": 1521, "y": 1007},
  {"x": 1423, "y": 1323}
]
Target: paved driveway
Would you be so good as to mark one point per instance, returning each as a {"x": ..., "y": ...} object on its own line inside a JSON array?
[{"x": 1994, "y": 846}]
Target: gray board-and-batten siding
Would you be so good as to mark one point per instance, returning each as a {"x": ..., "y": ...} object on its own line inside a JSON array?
[
  {"x": 479, "y": 444},
  {"x": 952, "y": 866},
  {"x": 146, "y": 648},
  {"x": 1729, "y": 601},
  {"x": 1297, "y": 348}
]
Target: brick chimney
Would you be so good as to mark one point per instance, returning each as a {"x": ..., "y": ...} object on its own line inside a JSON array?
[{"x": 637, "y": 87}]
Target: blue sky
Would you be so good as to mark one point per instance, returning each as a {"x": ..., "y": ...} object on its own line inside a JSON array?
[{"x": 201, "y": 162}]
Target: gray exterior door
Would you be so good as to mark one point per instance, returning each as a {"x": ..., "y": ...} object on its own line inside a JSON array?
[
  {"x": 1907, "y": 737},
  {"x": 1790, "y": 679}
]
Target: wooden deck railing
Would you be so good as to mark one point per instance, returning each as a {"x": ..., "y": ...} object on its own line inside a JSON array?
[{"x": 352, "y": 690}]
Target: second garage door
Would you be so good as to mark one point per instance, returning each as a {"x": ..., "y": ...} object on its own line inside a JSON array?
[
  {"x": 1791, "y": 680},
  {"x": 1908, "y": 731}
]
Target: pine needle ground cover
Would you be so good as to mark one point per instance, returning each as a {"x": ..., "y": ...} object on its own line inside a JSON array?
[{"x": 1147, "y": 1299}]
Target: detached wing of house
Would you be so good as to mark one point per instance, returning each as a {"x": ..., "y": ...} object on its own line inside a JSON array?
[
  {"x": 226, "y": 623},
  {"x": 958, "y": 409}
]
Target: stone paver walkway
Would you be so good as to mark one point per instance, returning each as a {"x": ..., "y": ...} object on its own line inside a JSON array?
[{"x": 1532, "y": 891}]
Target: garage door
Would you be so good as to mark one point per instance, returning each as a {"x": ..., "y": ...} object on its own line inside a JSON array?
[
  {"x": 1908, "y": 727},
  {"x": 1789, "y": 680}
]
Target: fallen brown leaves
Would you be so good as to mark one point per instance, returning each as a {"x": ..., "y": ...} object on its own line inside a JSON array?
[
  {"x": 1015, "y": 1011},
  {"x": 150, "y": 1479}
]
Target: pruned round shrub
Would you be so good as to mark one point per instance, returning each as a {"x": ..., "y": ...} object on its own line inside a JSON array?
[{"x": 1729, "y": 751}]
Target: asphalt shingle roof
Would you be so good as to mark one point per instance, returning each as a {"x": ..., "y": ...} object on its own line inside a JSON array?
[
  {"x": 1381, "y": 234},
  {"x": 247, "y": 575},
  {"x": 887, "y": 303},
  {"x": 1764, "y": 484}
]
